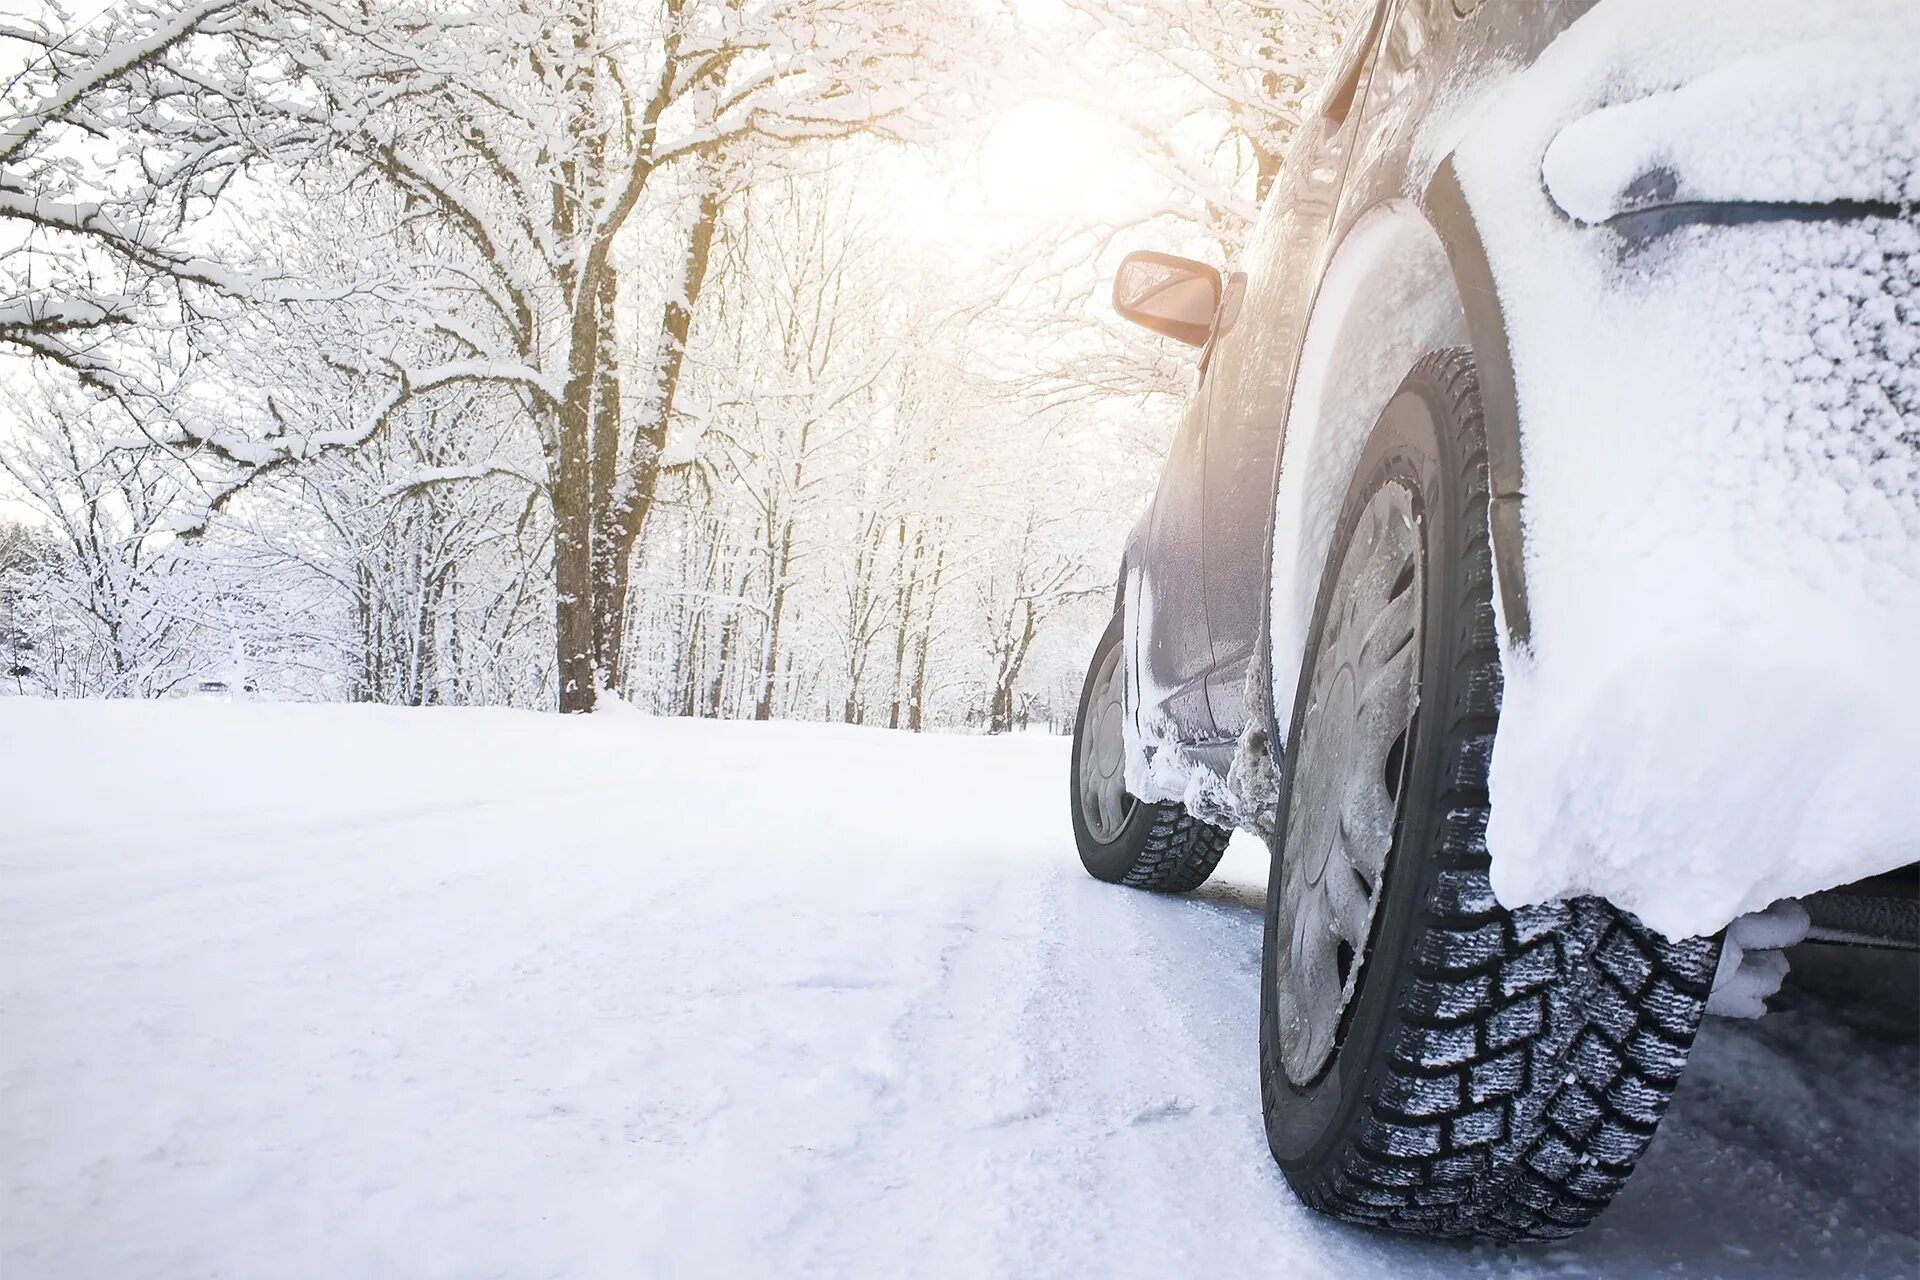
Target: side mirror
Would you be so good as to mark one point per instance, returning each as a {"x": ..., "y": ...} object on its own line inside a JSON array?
[{"x": 1177, "y": 297}]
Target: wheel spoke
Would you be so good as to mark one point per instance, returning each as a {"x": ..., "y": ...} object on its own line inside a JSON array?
[
  {"x": 1314, "y": 959},
  {"x": 1349, "y": 896},
  {"x": 1388, "y": 629},
  {"x": 1386, "y": 699},
  {"x": 1366, "y": 815}
]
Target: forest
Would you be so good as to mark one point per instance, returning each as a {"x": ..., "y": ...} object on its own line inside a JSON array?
[{"x": 731, "y": 358}]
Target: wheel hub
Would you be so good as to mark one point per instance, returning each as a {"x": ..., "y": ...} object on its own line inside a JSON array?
[{"x": 1344, "y": 801}]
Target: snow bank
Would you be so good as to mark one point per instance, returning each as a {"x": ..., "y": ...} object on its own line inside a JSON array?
[{"x": 1721, "y": 442}]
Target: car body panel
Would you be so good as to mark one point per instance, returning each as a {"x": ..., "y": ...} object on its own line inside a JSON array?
[
  {"x": 1174, "y": 653},
  {"x": 1251, "y": 373},
  {"x": 1440, "y": 71},
  {"x": 1211, "y": 517}
]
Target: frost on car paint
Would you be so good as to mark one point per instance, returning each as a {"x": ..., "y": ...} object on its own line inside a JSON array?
[{"x": 1720, "y": 434}]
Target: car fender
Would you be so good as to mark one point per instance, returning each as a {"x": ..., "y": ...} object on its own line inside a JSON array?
[{"x": 1386, "y": 298}]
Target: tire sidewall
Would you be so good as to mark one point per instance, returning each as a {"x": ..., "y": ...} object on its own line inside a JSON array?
[
  {"x": 1409, "y": 445},
  {"x": 1104, "y": 861}
]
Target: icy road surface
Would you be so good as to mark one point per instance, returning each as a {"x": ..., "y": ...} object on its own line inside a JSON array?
[{"x": 354, "y": 992}]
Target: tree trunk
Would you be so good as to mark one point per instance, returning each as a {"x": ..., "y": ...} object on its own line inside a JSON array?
[
  {"x": 363, "y": 625},
  {"x": 770, "y": 654},
  {"x": 573, "y": 612},
  {"x": 716, "y": 693},
  {"x": 908, "y": 568},
  {"x": 575, "y": 633},
  {"x": 1000, "y": 714},
  {"x": 781, "y": 563},
  {"x": 860, "y": 631},
  {"x": 917, "y": 706},
  {"x": 629, "y": 498},
  {"x": 612, "y": 550}
]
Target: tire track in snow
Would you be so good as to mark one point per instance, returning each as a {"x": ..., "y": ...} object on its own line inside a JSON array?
[{"x": 1078, "y": 1083}]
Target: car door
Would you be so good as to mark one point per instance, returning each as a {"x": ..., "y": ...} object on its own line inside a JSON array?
[
  {"x": 1251, "y": 371},
  {"x": 1168, "y": 611}
]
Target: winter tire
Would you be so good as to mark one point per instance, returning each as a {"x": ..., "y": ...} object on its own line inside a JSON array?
[
  {"x": 1124, "y": 840},
  {"x": 1431, "y": 1062}
]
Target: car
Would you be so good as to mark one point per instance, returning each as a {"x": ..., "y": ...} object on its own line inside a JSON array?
[{"x": 1531, "y": 570}]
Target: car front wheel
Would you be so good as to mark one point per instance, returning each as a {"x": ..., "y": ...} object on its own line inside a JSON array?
[{"x": 1431, "y": 1061}]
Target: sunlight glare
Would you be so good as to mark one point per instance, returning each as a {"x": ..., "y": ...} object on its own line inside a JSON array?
[
  {"x": 1039, "y": 169},
  {"x": 1051, "y": 160}
]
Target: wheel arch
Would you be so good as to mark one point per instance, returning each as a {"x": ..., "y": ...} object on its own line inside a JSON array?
[
  {"x": 1124, "y": 595},
  {"x": 1387, "y": 296},
  {"x": 1453, "y": 221}
]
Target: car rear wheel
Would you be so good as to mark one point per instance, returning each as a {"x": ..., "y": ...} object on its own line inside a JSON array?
[
  {"x": 1430, "y": 1061},
  {"x": 1122, "y": 839}
]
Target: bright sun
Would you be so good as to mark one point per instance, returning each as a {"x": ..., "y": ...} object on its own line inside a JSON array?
[
  {"x": 1039, "y": 166},
  {"x": 1046, "y": 158}
]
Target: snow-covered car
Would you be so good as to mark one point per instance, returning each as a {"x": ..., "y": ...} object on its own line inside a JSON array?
[{"x": 1537, "y": 569}]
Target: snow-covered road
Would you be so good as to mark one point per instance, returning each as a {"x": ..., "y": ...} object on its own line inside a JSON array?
[{"x": 329, "y": 991}]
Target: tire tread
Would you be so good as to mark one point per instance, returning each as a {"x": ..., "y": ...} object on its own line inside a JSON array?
[{"x": 1181, "y": 852}]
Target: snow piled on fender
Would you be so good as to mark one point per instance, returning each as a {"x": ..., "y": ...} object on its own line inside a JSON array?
[{"x": 1716, "y": 706}]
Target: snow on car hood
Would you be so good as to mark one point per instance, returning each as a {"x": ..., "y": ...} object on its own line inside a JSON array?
[{"x": 1720, "y": 434}]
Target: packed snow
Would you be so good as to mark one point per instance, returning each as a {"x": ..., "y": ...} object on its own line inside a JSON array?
[
  {"x": 350, "y": 991},
  {"x": 1822, "y": 121},
  {"x": 1720, "y": 434}
]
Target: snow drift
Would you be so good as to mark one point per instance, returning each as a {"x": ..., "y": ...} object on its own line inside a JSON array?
[{"x": 1721, "y": 444}]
